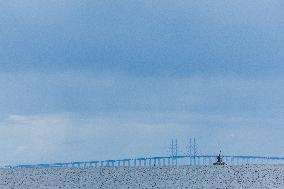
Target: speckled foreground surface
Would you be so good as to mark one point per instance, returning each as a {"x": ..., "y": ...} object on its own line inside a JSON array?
[{"x": 253, "y": 176}]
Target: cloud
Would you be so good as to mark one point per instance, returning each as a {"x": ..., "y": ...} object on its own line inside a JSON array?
[
  {"x": 145, "y": 38},
  {"x": 73, "y": 137},
  {"x": 28, "y": 138},
  {"x": 99, "y": 80},
  {"x": 68, "y": 116},
  {"x": 95, "y": 93}
]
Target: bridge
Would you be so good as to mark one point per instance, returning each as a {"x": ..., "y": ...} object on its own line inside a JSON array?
[{"x": 164, "y": 161}]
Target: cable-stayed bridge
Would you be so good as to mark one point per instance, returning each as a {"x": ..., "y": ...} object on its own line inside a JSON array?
[{"x": 165, "y": 161}]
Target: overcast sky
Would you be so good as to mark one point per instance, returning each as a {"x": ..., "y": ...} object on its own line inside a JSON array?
[{"x": 94, "y": 80}]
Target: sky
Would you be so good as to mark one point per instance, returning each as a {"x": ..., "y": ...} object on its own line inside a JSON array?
[{"x": 95, "y": 80}]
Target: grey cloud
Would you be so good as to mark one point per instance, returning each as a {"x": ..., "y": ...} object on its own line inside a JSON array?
[{"x": 84, "y": 115}]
